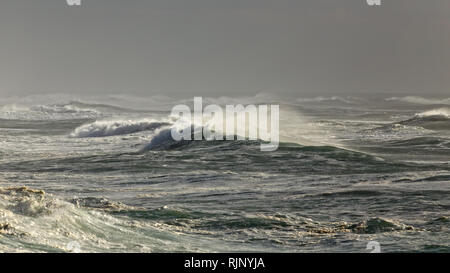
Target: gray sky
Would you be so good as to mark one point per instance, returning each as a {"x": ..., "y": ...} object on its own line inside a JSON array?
[{"x": 225, "y": 47}]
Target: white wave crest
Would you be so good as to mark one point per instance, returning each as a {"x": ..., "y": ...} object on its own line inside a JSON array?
[
  {"x": 324, "y": 99},
  {"x": 444, "y": 112},
  {"x": 162, "y": 138},
  {"x": 420, "y": 100},
  {"x": 47, "y": 112},
  {"x": 106, "y": 128}
]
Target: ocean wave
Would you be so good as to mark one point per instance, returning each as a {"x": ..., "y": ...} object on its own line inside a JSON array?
[
  {"x": 163, "y": 140},
  {"x": 98, "y": 107},
  {"x": 413, "y": 127},
  {"x": 379, "y": 225},
  {"x": 48, "y": 112},
  {"x": 35, "y": 221},
  {"x": 27, "y": 201},
  {"x": 70, "y": 108},
  {"x": 436, "y": 119},
  {"x": 104, "y": 128},
  {"x": 100, "y": 203},
  {"x": 420, "y": 141},
  {"x": 61, "y": 111},
  {"x": 325, "y": 99},
  {"x": 443, "y": 112},
  {"x": 278, "y": 222},
  {"x": 420, "y": 100}
]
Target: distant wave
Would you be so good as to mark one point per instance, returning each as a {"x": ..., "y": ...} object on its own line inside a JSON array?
[
  {"x": 61, "y": 111},
  {"x": 101, "y": 107},
  {"x": 324, "y": 99},
  {"x": 116, "y": 127},
  {"x": 427, "y": 142},
  {"x": 436, "y": 119},
  {"x": 421, "y": 100},
  {"x": 48, "y": 112},
  {"x": 443, "y": 112},
  {"x": 70, "y": 108}
]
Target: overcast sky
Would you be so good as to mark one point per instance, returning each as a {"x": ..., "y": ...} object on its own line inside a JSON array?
[{"x": 225, "y": 47}]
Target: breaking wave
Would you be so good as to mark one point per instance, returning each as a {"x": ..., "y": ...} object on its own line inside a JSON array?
[
  {"x": 106, "y": 128},
  {"x": 413, "y": 127},
  {"x": 436, "y": 119},
  {"x": 34, "y": 221},
  {"x": 163, "y": 140},
  {"x": 443, "y": 112}
]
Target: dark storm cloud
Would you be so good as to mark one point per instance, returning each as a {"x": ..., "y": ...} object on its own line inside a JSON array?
[{"x": 224, "y": 47}]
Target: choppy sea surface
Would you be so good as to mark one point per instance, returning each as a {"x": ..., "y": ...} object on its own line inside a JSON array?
[{"x": 81, "y": 173}]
